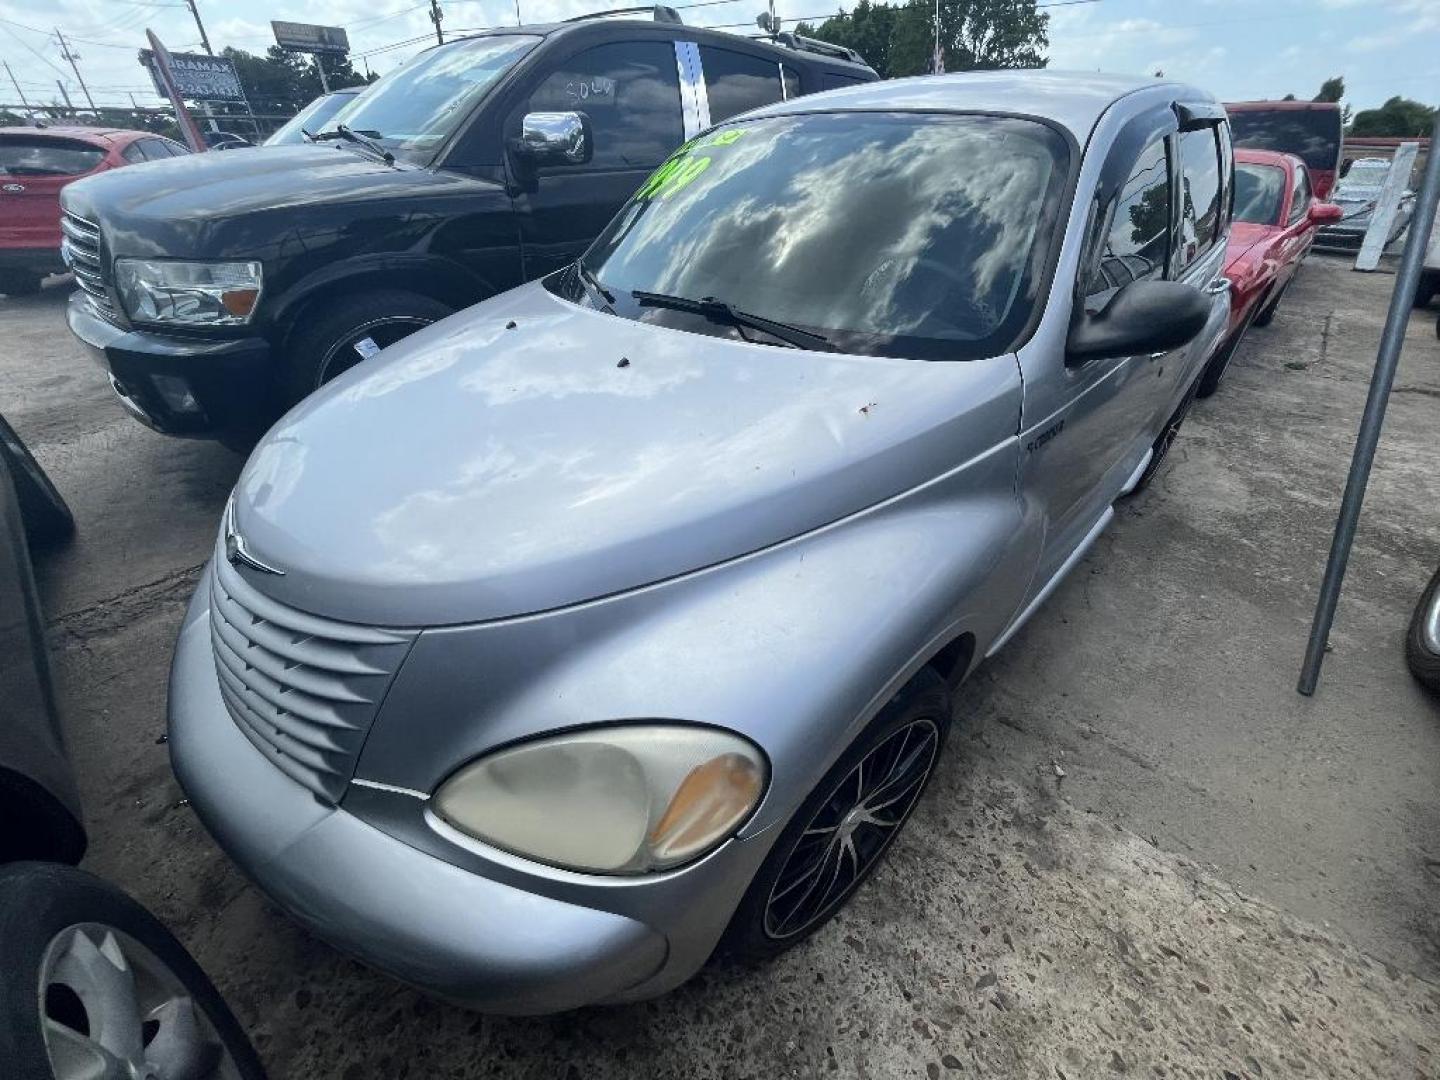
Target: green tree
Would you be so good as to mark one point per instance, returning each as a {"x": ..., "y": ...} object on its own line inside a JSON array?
[
  {"x": 899, "y": 39},
  {"x": 282, "y": 82},
  {"x": 1397, "y": 117},
  {"x": 1332, "y": 89}
]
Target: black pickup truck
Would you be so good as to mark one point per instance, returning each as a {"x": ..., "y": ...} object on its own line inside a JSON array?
[{"x": 220, "y": 289}]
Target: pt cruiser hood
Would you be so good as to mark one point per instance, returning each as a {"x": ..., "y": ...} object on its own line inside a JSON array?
[{"x": 528, "y": 454}]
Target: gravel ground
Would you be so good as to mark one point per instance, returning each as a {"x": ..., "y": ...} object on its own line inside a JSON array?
[{"x": 1229, "y": 880}]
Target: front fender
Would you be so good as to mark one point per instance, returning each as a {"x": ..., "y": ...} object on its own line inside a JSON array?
[
  {"x": 796, "y": 646},
  {"x": 394, "y": 269}
]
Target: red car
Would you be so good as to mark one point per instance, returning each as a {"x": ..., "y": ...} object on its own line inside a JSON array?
[
  {"x": 1276, "y": 216},
  {"x": 35, "y": 163}
]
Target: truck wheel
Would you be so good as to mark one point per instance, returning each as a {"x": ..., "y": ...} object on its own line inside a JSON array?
[
  {"x": 91, "y": 984},
  {"x": 1215, "y": 369},
  {"x": 842, "y": 830},
  {"x": 339, "y": 334},
  {"x": 19, "y": 282},
  {"x": 1422, "y": 642},
  {"x": 43, "y": 510}
]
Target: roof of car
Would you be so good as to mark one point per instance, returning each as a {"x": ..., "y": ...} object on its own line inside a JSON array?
[
  {"x": 1073, "y": 99},
  {"x": 86, "y": 134},
  {"x": 590, "y": 23}
]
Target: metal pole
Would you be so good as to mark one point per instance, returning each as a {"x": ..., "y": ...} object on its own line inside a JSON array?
[
  {"x": 17, "y": 87},
  {"x": 1386, "y": 361},
  {"x": 204, "y": 38},
  {"x": 436, "y": 15},
  {"x": 517, "y": 13},
  {"x": 72, "y": 57},
  {"x": 65, "y": 94},
  {"x": 320, "y": 67}
]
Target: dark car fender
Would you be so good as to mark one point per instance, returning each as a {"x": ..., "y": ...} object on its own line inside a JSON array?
[{"x": 438, "y": 276}]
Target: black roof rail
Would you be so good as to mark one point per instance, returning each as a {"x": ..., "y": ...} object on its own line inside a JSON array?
[
  {"x": 815, "y": 45},
  {"x": 659, "y": 12}
]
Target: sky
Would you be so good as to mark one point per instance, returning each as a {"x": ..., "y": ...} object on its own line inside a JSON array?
[{"x": 1237, "y": 49}]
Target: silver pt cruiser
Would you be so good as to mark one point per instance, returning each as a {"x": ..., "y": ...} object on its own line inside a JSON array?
[{"x": 614, "y": 621}]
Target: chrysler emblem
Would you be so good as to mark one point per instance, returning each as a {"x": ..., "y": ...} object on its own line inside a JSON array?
[
  {"x": 237, "y": 554},
  {"x": 13, "y": 189}
]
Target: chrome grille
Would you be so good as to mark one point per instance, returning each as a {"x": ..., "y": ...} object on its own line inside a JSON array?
[
  {"x": 303, "y": 690},
  {"x": 81, "y": 248}
]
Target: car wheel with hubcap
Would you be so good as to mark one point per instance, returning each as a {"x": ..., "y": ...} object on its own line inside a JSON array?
[
  {"x": 839, "y": 835},
  {"x": 330, "y": 340},
  {"x": 92, "y": 986}
]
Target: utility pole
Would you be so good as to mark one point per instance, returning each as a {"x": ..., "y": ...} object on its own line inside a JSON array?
[
  {"x": 72, "y": 57},
  {"x": 436, "y": 15},
  {"x": 320, "y": 67},
  {"x": 17, "y": 87},
  {"x": 204, "y": 38},
  {"x": 65, "y": 94}
]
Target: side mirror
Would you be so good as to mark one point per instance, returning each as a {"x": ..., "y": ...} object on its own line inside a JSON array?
[
  {"x": 555, "y": 138},
  {"x": 1325, "y": 213},
  {"x": 1142, "y": 317}
]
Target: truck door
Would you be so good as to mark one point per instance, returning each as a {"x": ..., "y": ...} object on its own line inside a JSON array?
[
  {"x": 1086, "y": 426},
  {"x": 631, "y": 92}
]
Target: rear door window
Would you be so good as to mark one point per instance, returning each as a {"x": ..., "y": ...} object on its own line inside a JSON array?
[
  {"x": 1137, "y": 229},
  {"x": 737, "y": 82},
  {"x": 630, "y": 90},
  {"x": 1200, "y": 194},
  {"x": 831, "y": 80},
  {"x": 26, "y": 155}
]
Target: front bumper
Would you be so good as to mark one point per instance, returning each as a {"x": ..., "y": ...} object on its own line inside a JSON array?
[
  {"x": 40, "y": 260},
  {"x": 476, "y": 941},
  {"x": 179, "y": 385}
]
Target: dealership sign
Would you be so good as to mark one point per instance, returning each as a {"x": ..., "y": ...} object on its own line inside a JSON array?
[
  {"x": 309, "y": 38},
  {"x": 198, "y": 77}
]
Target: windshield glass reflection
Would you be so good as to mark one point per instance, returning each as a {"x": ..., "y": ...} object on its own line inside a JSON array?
[{"x": 890, "y": 234}]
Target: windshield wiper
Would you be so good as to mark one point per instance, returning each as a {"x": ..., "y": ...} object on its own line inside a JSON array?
[
  {"x": 720, "y": 311},
  {"x": 587, "y": 277},
  {"x": 365, "y": 139}
]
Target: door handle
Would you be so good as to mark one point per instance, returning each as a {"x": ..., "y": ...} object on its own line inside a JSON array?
[{"x": 1217, "y": 286}]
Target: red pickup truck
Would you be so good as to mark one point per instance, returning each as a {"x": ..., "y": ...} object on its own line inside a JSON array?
[{"x": 35, "y": 163}]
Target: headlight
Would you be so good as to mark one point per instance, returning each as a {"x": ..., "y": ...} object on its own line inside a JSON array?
[
  {"x": 615, "y": 800},
  {"x": 188, "y": 293}
]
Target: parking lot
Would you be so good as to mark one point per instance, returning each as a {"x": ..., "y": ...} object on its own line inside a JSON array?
[{"x": 1145, "y": 854}]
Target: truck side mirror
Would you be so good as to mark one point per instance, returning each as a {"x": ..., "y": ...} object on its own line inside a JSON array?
[
  {"x": 555, "y": 138},
  {"x": 1142, "y": 317}
]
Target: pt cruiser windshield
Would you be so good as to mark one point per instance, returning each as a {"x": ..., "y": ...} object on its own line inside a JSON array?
[{"x": 919, "y": 235}]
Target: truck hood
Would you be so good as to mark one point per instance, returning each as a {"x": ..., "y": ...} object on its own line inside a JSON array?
[
  {"x": 529, "y": 453},
  {"x": 186, "y": 206}
]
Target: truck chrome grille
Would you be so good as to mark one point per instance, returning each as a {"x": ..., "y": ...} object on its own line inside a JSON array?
[
  {"x": 81, "y": 247},
  {"x": 302, "y": 689}
]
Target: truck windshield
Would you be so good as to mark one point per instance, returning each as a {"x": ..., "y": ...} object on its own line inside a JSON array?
[
  {"x": 412, "y": 111},
  {"x": 314, "y": 118},
  {"x": 888, "y": 234}
]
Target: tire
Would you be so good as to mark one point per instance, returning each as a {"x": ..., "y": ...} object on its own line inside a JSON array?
[
  {"x": 1420, "y": 645},
  {"x": 61, "y": 931},
  {"x": 913, "y": 725},
  {"x": 1215, "y": 369},
  {"x": 19, "y": 282},
  {"x": 323, "y": 342},
  {"x": 1428, "y": 286},
  {"x": 1166, "y": 439},
  {"x": 43, "y": 509},
  {"x": 1266, "y": 314}
]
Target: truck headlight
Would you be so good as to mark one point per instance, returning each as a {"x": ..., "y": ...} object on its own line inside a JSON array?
[
  {"x": 188, "y": 293},
  {"x": 627, "y": 799}
]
